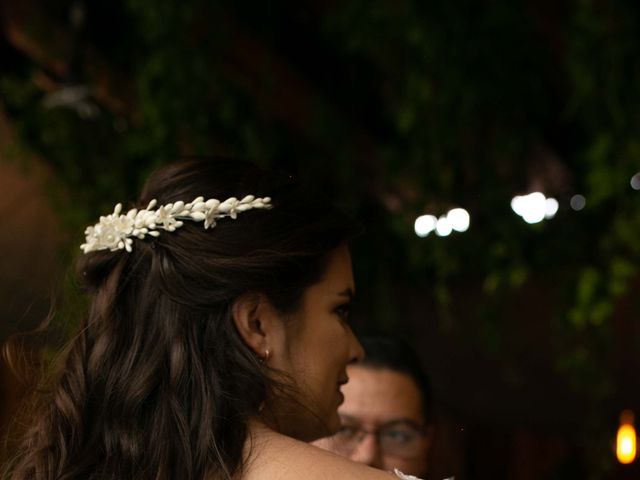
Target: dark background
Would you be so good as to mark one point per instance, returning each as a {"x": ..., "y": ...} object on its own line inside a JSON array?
[{"x": 394, "y": 108}]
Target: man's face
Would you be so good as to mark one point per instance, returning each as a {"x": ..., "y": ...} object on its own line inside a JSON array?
[{"x": 383, "y": 424}]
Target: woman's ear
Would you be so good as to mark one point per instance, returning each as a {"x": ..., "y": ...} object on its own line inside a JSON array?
[{"x": 257, "y": 322}]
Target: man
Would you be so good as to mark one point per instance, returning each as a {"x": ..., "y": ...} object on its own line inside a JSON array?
[{"x": 385, "y": 414}]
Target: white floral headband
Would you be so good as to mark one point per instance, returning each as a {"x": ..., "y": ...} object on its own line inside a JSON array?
[{"x": 117, "y": 231}]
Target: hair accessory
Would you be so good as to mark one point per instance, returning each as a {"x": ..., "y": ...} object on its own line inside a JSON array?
[{"x": 117, "y": 231}]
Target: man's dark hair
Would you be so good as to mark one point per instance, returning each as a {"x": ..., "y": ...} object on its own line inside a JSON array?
[{"x": 395, "y": 354}]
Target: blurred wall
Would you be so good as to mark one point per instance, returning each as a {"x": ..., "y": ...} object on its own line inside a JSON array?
[{"x": 29, "y": 240}]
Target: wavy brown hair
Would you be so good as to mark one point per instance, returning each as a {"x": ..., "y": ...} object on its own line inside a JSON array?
[{"x": 157, "y": 383}]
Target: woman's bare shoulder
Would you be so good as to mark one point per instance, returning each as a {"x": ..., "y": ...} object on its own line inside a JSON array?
[{"x": 283, "y": 458}]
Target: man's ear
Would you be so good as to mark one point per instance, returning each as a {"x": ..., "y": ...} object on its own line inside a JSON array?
[{"x": 256, "y": 320}]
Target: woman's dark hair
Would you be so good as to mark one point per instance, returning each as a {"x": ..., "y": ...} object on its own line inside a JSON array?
[
  {"x": 157, "y": 383},
  {"x": 395, "y": 354}
]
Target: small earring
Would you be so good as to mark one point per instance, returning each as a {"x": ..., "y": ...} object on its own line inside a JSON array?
[{"x": 267, "y": 354}]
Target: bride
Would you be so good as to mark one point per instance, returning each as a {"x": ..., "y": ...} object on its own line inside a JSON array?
[{"x": 216, "y": 339}]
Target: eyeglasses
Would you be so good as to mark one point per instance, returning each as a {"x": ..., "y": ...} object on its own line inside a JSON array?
[{"x": 402, "y": 438}]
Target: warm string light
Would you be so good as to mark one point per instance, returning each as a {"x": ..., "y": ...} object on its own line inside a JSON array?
[{"x": 626, "y": 438}]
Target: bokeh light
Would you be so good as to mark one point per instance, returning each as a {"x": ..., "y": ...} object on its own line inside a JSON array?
[
  {"x": 459, "y": 219},
  {"x": 424, "y": 225},
  {"x": 534, "y": 207},
  {"x": 626, "y": 438},
  {"x": 578, "y": 202},
  {"x": 443, "y": 227}
]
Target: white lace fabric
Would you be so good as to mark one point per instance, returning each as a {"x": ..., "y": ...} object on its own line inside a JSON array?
[{"x": 401, "y": 475}]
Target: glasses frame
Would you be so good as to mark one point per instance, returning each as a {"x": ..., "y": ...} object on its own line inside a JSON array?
[{"x": 347, "y": 447}]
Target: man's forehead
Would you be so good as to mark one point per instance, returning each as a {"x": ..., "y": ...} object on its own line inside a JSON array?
[{"x": 380, "y": 396}]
